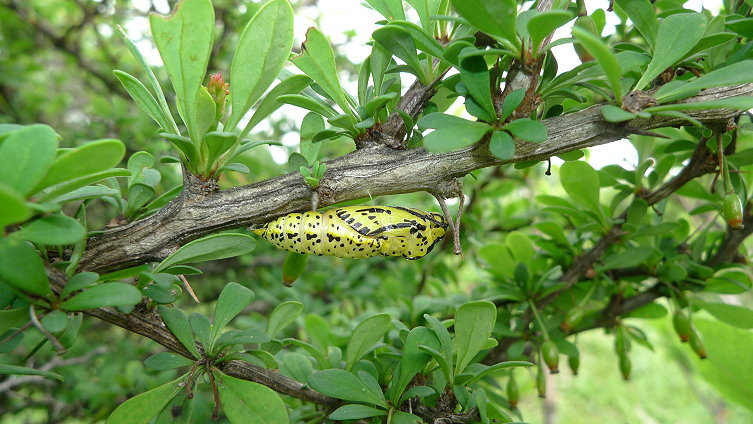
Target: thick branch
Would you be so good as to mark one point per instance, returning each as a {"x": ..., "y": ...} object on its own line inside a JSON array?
[{"x": 373, "y": 171}]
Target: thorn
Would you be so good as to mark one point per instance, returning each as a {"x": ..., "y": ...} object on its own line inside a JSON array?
[{"x": 189, "y": 289}]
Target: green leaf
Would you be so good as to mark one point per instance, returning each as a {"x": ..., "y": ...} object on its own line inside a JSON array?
[
  {"x": 729, "y": 281},
  {"x": 445, "y": 366},
  {"x": 400, "y": 43},
  {"x": 179, "y": 410},
  {"x": 308, "y": 103},
  {"x": 628, "y": 258},
  {"x": 545, "y": 23},
  {"x": 371, "y": 383},
  {"x": 205, "y": 113},
  {"x": 501, "y": 145},
  {"x": 138, "y": 195},
  {"x": 474, "y": 322},
  {"x": 528, "y": 130},
  {"x": 13, "y": 318},
  {"x": 144, "y": 99},
  {"x": 184, "y": 41},
  {"x": 612, "y": 113},
  {"x": 424, "y": 42},
  {"x": 581, "y": 182},
  {"x": 414, "y": 359},
  {"x": 178, "y": 324},
  {"x": 390, "y": 9},
  {"x": 263, "y": 48},
  {"x": 90, "y": 158},
  {"x": 251, "y": 335},
  {"x": 355, "y": 412},
  {"x": 497, "y": 367},
  {"x": 317, "y": 60},
  {"x": 728, "y": 367},
  {"x": 475, "y": 75},
  {"x": 734, "y": 74},
  {"x": 22, "y": 268},
  {"x": 283, "y": 315},
  {"x": 601, "y": 52},
  {"x": 167, "y": 361},
  {"x": 373, "y": 106},
  {"x": 209, "y": 248},
  {"x": 648, "y": 311},
  {"x": 201, "y": 328},
  {"x": 642, "y": 13},
  {"x": 734, "y": 315},
  {"x": 444, "y": 341},
  {"x": 25, "y": 156},
  {"x": 237, "y": 167},
  {"x": 512, "y": 101},
  {"x": 152, "y": 80},
  {"x": 442, "y": 120},
  {"x": 246, "y": 402},
  {"x": 341, "y": 384},
  {"x": 87, "y": 192},
  {"x": 677, "y": 34},
  {"x": 447, "y": 139},
  {"x": 496, "y": 18},
  {"x": 366, "y": 334},
  {"x": 218, "y": 142},
  {"x": 293, "y": 84},
  {"x": 184, "y": 144},
  {"x": 739, "y": 103},
  {"x": 709, "y": 41},
  {"x": 425, "y": 10},
  {"x": 55, "y": 321},
  {"x": 571, "y": 155},
  {"x": 52, "y": 230},
  {"x": 56, "y": 191},
  {"x": 400, "y": 417},
  {"x": 16, "y": 370},
  {"x": 233, "y": 299},
  {"x": 103, "y": 295},
  {"x": 78, "y": 282},
  {"x": 142, "y": 408},
  {"x": 14, "y": 207}
]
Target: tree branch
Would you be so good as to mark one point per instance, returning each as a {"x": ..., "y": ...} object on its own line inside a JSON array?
[
  {"x": 148, "y": 323},
  {"x": 373, "y": 171}
]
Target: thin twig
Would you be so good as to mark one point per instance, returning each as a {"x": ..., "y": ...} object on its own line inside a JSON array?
[{"x": 55, "y": 342}]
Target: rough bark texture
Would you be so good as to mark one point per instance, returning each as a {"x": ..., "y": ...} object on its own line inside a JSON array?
[{"x": 372, "y": 171}]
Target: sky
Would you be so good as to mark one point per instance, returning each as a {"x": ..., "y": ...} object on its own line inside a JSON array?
[{"x": 349, "y": 25}]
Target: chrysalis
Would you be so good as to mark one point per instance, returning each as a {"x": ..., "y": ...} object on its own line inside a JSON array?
[{"x": 357, "y": 232}]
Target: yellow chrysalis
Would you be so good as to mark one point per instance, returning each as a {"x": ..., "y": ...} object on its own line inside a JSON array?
[{"x": 357, "y": 232}]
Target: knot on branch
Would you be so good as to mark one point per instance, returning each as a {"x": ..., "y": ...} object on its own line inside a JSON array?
[
  {"x": 377, "y": 136},
  {"x": 636, "y": 101},
  {"x": 325, "y": 193},
  {"x": 197, "y": 186},
  {"x": 449, "y": 189}
]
